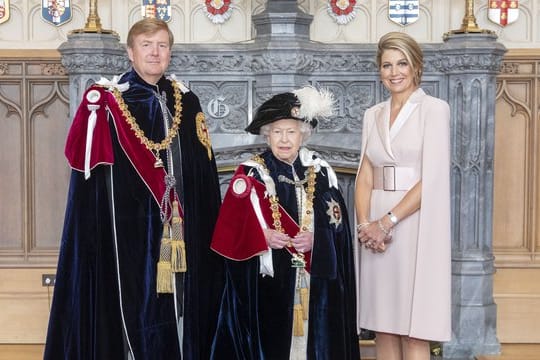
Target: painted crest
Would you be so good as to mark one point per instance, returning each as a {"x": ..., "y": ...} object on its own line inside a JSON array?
[
  {"x": 218, "y": 11},
  {"x": 160, "y": 9},
  {"x": 342, "y": 11},
  {"x": 403, "y": 12},
  {"x": 503, "y": 12},
  {"x": 56, "y": 12},
  {"x": 4, "y": 11}
]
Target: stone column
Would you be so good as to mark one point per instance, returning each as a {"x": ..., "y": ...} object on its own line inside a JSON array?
[
  {"x": 282, "y": 32},
  {"x": 89, "y": 56},
  {"x": 471, "y": 62}
]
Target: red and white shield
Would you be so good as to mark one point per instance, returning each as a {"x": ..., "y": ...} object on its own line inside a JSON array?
[
  {"x": 503, "y": 12},
  {"x": 4, "y": 11},
  {"x": 218, "y": 11},
  {"x": 342, "y": 11}
]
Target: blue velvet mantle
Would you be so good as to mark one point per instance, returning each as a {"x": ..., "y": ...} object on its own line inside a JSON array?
[
  {"x": 255, "y": 320},
  {"x": 105, "y": 299}
]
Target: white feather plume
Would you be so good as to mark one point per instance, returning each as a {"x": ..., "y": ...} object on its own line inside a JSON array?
[{"x": 315, "y": 103}]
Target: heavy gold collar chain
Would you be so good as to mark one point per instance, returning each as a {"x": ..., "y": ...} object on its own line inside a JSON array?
[
  {"x": 171, "y": 133},
  {"x": 307, "y": 217}
]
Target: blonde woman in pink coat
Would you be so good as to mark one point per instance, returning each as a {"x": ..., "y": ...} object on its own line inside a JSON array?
[{"x": 402, "y": 203}]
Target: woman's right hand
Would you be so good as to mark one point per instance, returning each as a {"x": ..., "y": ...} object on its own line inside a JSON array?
[
  {"x": 372, "y": 237},
  {"x": 276, "y": 240}
]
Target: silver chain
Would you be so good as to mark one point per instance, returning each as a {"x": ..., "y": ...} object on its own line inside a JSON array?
[{"x": 170, "y": 180}]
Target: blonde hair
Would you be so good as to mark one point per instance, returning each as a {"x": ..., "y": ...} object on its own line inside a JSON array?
[
  {"x": 408, "y": 46},
  {"x": 148, "y": 26}
]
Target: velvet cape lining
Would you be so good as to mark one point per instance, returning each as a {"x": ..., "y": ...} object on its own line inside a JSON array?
[
  {"x": 246, "y": 239},
  {"x": 255, "y": 320},
  {"x": 111, "y": 237}
]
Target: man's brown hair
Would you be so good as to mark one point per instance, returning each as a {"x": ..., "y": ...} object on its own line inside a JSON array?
[{"x": 148, "y": 26}]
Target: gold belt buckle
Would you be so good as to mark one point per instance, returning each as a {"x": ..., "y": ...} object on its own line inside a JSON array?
[{"x": 389, "y": 178}]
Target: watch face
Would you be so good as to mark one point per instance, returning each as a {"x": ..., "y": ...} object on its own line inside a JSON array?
[{"x": 393, "y": 218}]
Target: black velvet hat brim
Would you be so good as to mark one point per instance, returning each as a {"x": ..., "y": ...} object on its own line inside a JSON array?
[{"x": 279, "y": 107}]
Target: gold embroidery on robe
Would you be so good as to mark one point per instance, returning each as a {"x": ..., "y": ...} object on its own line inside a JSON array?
[{"x": 202, "y": 133}]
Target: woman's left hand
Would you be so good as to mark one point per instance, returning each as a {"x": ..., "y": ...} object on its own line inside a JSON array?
[
  {"x": 372, "y": 237},
  {"x": 303, "y": 241}
]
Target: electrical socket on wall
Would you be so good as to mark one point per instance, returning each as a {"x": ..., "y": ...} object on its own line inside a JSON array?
[{"x": 48, "y": 279}]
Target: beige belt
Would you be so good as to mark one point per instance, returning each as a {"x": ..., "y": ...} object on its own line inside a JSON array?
[{"x": 394, "y": 178}]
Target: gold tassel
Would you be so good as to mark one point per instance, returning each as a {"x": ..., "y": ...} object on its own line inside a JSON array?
[
  {"x": 304, "y": 301},
  {"x": 164, "y": 273},
  {"x": 164, "y": 278},
  {"x": 298, "y": 321},
  {"x": 178, "y": 256}
]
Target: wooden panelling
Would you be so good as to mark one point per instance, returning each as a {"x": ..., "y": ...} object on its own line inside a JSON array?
[
  {"x": 517, "y": 294},
  {"x": 12, "y": 196},
  {"x": 516, "y": 198},
  {"x": 515, "y": 352},
  {"x": 21, "y": 352},
  {"x": 517, "y": 146},
  {"x": 25, "y": 305},
  {"x": 34, "y": 119}
]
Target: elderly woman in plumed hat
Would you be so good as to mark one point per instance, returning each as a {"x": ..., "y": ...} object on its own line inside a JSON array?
[{"x": 283, "y": 229}]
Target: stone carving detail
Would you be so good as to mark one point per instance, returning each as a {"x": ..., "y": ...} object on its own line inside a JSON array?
[
  {"x": 448, "y": 63},
  {"x": 431, "y": 88},
  {"x": 338, "y": 156},
  {"x": 209, "y": 62},
  {"x": 248, "y": 62},
  {"x": 236, "y": 155},
  {"x": 352, "y": 99},
  {"x": 53, "y": 69},
  {"x": 4, "y": 69},
  {"x": 335, "y": 60},
  {"x": 226, "y": 104},
  {"x": 510, "y": 68},
  {"x": 95, "y": 63}
]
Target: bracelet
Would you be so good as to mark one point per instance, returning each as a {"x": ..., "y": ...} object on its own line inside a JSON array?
[
  {"x": 381, "y": 226},
  {"x": 361, "y": 225},
  {"x": 393, "y": 218}
]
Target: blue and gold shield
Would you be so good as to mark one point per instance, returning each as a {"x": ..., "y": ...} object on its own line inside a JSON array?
[
  {"x": 403, "y": 12},
  {"x": 160, "y": 9},
  {"x": 56, "y": 12}
]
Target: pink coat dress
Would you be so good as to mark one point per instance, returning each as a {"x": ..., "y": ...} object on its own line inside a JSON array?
[{"x": 407, "y": 289}]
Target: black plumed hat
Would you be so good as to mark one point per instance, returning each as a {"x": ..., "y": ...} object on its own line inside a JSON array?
[{"x": 305, "y": 104}]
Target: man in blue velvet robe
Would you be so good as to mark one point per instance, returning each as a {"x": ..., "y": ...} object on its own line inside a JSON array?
[
  {"x": 283, "y": 229},
  {"x": 136, "y": 278}
]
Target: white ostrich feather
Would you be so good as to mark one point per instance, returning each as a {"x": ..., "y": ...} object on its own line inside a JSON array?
[{"x": 315, "y": 103}]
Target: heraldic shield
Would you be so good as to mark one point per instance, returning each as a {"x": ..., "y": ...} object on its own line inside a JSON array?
[
  {"x": 403, "y": 12},
  {"x": 4, "y": 11},
  {"x": 160, "y": 9},
  {"x": 503, "y": 12},
  {"x": 56, "y": 12}
]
